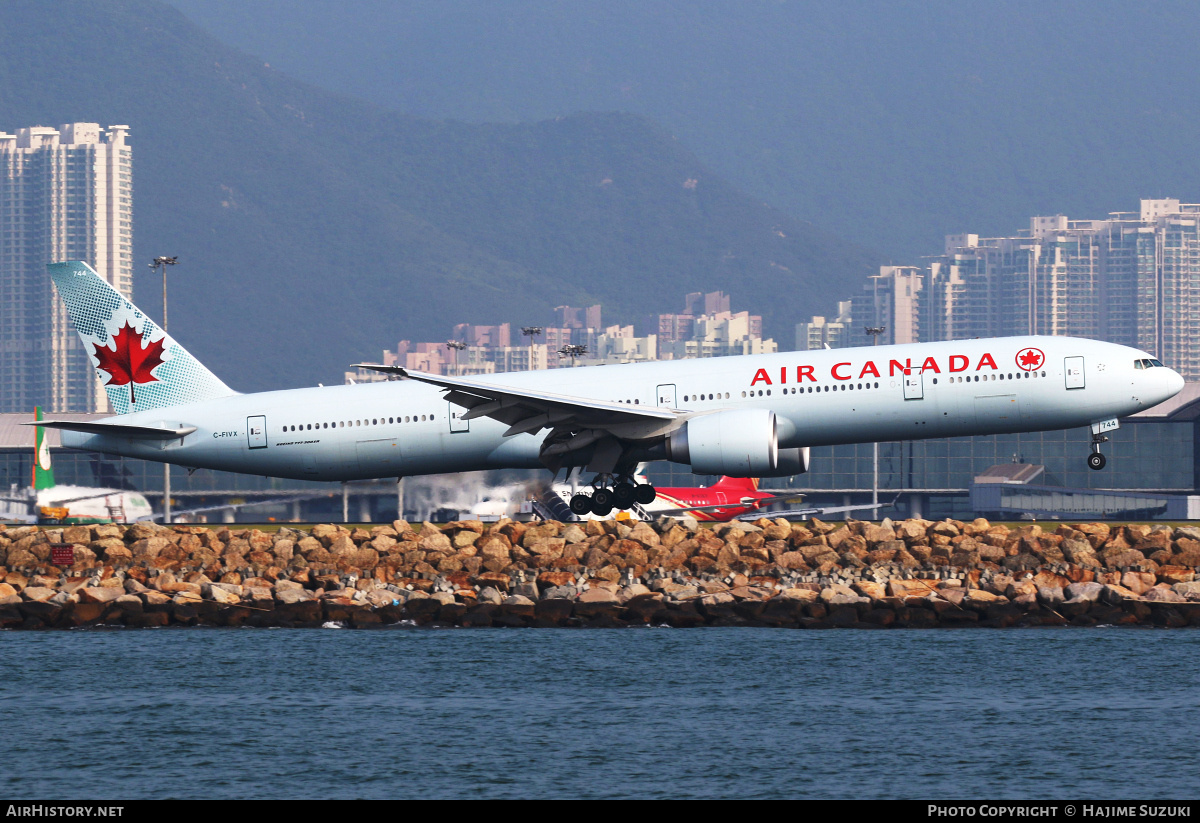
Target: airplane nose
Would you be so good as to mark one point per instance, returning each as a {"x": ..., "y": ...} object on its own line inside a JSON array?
[{"x": 1174, "y": 382}]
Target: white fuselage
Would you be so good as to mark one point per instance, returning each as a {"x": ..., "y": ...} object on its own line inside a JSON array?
[{"x": 405, "y": 427}]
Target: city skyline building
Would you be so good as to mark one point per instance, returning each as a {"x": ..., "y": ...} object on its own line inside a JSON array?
[
  {"x": 1132, "y": 278},
  {"x": 66, "y": 193},
  {"x": 891, "y": 300},
  {"x": 820, "y": 332},
  {"x": 488, "y": 349}
]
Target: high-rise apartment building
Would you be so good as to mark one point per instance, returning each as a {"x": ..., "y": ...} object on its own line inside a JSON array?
[
  {"x": 65, "y": 194},
  {"x": 890, "y": 300},
  {"x": 824, "y": 333},
  {"x": 1133, "y": 279}
]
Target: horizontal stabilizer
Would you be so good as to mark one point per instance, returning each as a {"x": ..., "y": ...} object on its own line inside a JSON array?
[{"x": 117, "y": 429}]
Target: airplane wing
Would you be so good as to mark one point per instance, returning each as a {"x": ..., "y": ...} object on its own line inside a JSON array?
[
  {"x": 529, "y": 410},
  {"x": 117, "y": 429},
  {"x": 575, "y": 423}
]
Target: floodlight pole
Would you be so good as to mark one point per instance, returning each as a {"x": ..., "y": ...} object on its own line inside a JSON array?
[
  {"x": 531, "y": 332},
  {"x": 573, "y": 350},
  {"x": 456, "y": 346},
  {"x": 875, "y": 332},
  {"x": 162, "y": 263}
]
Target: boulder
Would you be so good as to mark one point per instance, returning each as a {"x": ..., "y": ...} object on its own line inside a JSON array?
[
  {"x": 1116, "y": 595},
  {"x": 432, "y": 540},
  {"x": 909, "y": 588},
  {"x": 595, "y": 602},
  {"x": 1190, "y": 591},
  {"x": 554, "y": 611},
  {"x": 869, "y": 589},
  {"x": 876, "y": 535},
  {"x": 37, "y": 593},
  {"x": 1080, "y": 592},
  {"x": 99, "y": 594},
  {"x": 1176, "y": 574},
  {"x": 518, "y": 605},
  {"x": 490, "y": 595},
  {"x": 221, "y": 593},
  {"x": 1138, "y": 582},
  {"x": 1163, "y": 594},
  {"x": 1050, "y": 596}
]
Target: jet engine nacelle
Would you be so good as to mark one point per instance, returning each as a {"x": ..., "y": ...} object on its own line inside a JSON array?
[
  {"x": 790, "y": 461},
  {"x": 739, "y": 443}
]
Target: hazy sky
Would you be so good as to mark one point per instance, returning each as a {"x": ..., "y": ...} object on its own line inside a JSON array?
[{"x": 892, "y": 123}]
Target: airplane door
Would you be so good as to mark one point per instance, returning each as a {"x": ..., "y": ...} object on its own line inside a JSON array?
[
  {"x": 914, "y": 385},
  {"x": 1073, "y": 369},
  {"x": 457, "y": 424},
  {"x": 666, "y": 396},
  {"x": 256, "y": 432}
]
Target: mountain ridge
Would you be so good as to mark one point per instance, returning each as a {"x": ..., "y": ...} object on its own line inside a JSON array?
[{"x": 314, "y": 229}]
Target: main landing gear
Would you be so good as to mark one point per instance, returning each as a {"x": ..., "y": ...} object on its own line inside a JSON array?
[
  {"x": 608, "y": 494},
  {"x": 1096, "y": 460}
]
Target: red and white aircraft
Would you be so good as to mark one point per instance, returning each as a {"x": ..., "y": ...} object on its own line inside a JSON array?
[
  {"x": 748, "y": 416},
  {"x": 728, "y": 498}
]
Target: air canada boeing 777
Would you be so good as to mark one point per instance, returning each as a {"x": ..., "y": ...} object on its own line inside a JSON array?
[{"x": 746, "y": 416}]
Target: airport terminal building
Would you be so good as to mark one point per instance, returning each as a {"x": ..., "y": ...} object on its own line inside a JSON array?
[{"x": 1153, "y": 472}]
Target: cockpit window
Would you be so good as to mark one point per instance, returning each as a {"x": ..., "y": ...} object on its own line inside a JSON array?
[
  {"x": 1139, "y": 364},
  {"x": 1157, "y": 363}
]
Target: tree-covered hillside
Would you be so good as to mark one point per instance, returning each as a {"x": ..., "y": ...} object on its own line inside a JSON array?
[
  {"x": 891, "y": 121},
  {"x": 315, "y": 229}
]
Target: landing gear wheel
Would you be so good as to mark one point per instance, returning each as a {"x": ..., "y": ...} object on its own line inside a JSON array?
[
  {"x": 602, "y": 497},
  {"x": 581, "y": 504},
  {"x": 1096, "y": 461},
  {"x": 644, "y": 493},
  {"x": 624, "y": 494},
  {"x": 601, "y": 508}
]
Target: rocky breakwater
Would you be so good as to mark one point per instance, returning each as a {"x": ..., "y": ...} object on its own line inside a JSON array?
[{"x": 911, "y": 573}]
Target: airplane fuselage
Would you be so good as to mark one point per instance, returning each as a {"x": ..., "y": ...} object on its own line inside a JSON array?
[{"x": 884, "y": 393}]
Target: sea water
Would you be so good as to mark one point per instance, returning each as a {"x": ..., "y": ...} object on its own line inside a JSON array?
[{"x": 1099, "y": 713}]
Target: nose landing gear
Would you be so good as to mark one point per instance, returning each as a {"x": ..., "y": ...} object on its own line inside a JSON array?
[{"x": 1096, "y": 461}]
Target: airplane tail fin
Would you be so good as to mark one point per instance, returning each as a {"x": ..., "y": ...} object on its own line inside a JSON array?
[
  {"x": 141, "y": 365},
  {"x": 43, "y": 472},
  {"x": 736, "y": 484}
]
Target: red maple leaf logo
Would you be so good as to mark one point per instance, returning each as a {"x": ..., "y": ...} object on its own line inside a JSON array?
[
  {"x": 129, "y": 363},
  {"x": 1029, "y": 359}
]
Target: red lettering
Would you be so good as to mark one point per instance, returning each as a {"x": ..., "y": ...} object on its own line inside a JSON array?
[
  {"x": 803, "y": 372},
  {"x": 783, "y": 374},
  {"x": 834, "y": 371},
  {"x": 986, "y": 360},
  {"x": 959, "y": 357},
  {"x": 930, "y": 365},
  {"x": 761, "y": 374},
  {"x": 905, "y": 367},
  {"x": 869, "y": 368}
]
